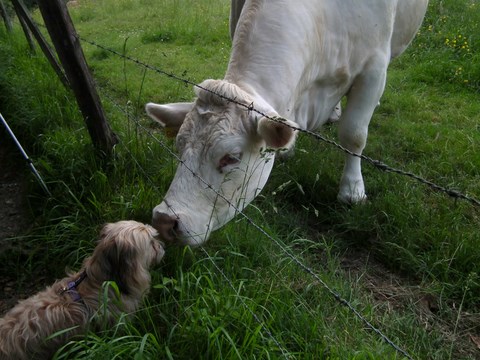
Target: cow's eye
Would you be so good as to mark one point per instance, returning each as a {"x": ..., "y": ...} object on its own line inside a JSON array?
[{"x": 229, "y": 159}]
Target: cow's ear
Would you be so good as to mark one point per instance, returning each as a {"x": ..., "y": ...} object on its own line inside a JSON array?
[
  {"x": 278, "y": 133},
  {"x": 170, "y": 116}
]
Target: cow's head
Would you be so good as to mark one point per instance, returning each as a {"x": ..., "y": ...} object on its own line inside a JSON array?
[{"x": 226, "y": 158}]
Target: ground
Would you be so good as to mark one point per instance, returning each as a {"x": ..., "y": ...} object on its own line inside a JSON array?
[
  {"x": 12, "y": 201},
  {"x": 14, "y": 218},
  {"x": 390, "y": 291}
]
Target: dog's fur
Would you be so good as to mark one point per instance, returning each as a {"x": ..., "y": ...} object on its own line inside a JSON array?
[{"x": 124, "y": 254}]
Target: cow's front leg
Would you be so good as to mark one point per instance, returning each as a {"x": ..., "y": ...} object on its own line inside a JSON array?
[{"x": 353, "y": 127}]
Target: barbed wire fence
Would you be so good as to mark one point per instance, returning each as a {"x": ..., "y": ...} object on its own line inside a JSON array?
[
  {"x": 250, "y": 107},
  {"x": 378, "y": 164}
]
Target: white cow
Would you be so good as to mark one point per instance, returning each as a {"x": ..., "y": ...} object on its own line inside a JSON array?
[{"x": 293, "y": 59}]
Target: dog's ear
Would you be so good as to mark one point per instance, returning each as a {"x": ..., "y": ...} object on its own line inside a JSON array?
[{"x": 118, "y": 264}]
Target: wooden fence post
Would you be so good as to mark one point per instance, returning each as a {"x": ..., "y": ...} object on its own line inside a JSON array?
[
  {"x": 22, "y": 13},
  {"x": 28, "y": 35},
  {"x": 6, "y": 18},
  {"x": 67, "y": 44}
]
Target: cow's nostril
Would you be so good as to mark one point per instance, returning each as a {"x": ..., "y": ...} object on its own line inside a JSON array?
[{"x": 166, "y": 225}]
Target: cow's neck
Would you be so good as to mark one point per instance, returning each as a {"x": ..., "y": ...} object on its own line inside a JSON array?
[
  {"x": 266, "y": 79},
  {"x": 265, "y": 94},
  {"x": 270, "y": 63}
]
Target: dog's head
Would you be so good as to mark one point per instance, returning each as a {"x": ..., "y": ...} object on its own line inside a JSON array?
[{"x": 125, "y": 252}]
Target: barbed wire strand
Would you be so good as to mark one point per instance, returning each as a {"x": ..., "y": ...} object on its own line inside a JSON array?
[
  {"x": 376, "y": 163},
  {"x": 299, "y": 263}
]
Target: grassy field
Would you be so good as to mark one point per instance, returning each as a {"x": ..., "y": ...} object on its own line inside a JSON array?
[{"x": 408, "y": 259}]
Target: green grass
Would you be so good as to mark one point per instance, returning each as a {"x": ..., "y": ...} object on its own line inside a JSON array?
[{"x": 410, "y": 243}]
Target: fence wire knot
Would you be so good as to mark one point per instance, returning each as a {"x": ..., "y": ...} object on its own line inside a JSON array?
[{"x": 380, "y": 165}]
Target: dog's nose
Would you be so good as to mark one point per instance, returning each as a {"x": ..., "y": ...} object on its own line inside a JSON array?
[{"x": 166, "y": 225}]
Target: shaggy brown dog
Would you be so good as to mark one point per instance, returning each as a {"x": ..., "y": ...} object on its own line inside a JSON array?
[{"x": 125, "y": 252}]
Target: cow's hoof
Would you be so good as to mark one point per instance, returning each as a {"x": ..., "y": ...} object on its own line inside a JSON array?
[
  {"x": 285, "y": 155},
  {"x": 352, "y": 199}
]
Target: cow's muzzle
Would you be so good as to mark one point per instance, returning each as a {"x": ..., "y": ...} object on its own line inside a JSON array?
[{"x": 166, "y": 225}]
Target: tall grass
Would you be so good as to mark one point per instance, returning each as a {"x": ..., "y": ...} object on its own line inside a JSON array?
[{"x": 242, "y": 296}]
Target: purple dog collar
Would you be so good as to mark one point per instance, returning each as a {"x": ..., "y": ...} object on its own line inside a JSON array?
[{"x": 71, "y": 287}]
